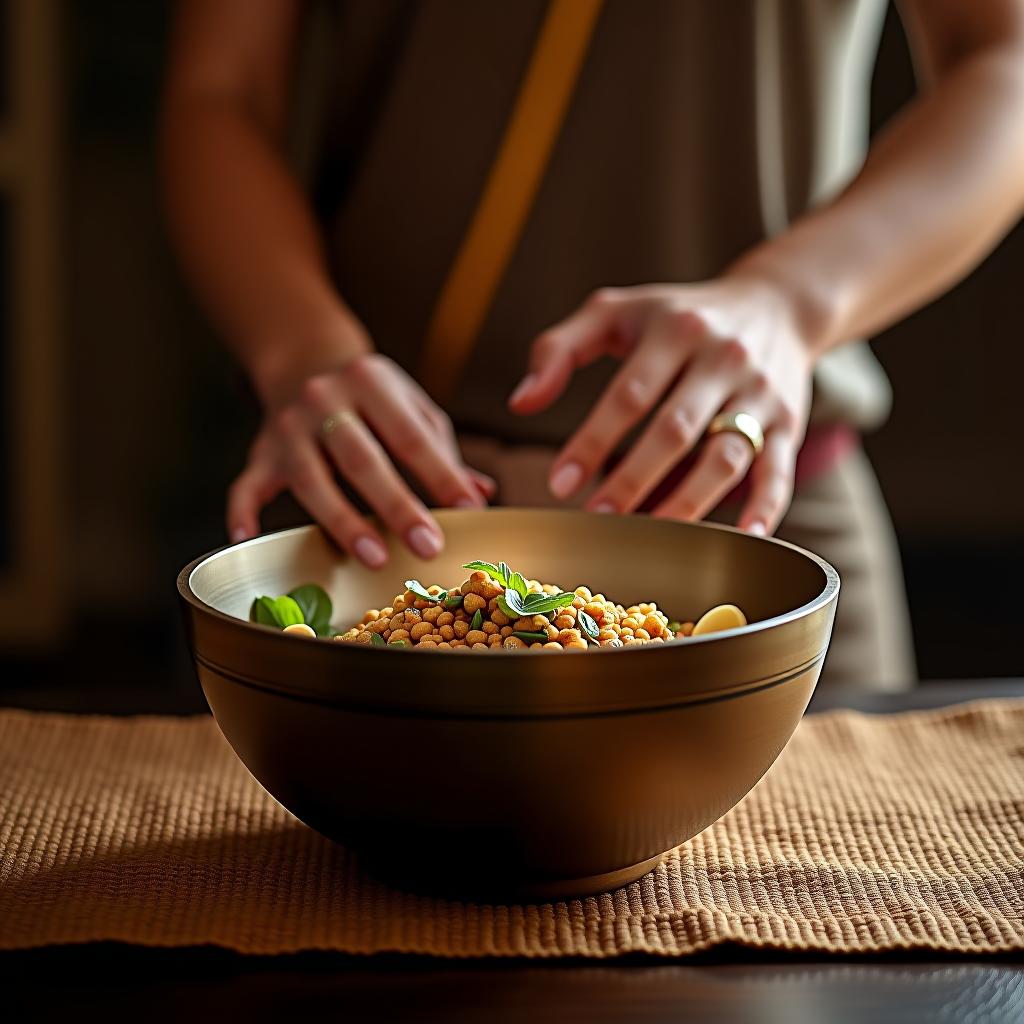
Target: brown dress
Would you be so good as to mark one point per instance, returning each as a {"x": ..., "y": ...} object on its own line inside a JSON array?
[{"x": 697, "y": 128}]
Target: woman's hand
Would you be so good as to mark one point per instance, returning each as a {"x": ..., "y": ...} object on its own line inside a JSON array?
[
  {"x": 689, "y": 351},
  {"x": 354, "y": 421}
]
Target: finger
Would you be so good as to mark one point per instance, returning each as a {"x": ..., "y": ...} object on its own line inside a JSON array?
[
  {"x": 310, "y": 480},
  {"x": 772, "y": 484},
  {"x": 672, "y": 433},
  {"x": 252, "y": 489},
  {"x": 566, "y": 347},
  {"x": 634, "y": 391},
  {"x": 416, "y": 443},
  {"x": 364, "y": 463},
  {"x": 486, "y": 485},
  {"x": 722, "y": 464}
]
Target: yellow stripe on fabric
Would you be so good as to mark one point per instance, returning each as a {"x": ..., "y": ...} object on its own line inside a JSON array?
[{"x": 508, "y": 194}]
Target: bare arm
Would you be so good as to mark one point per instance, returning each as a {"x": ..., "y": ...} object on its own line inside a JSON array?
[
  {"x": 242, "y": 226},
  {"x": 250, "y": 245},
  {"x": 942, "y": 183},
  {"x": 940, "y": 186}
]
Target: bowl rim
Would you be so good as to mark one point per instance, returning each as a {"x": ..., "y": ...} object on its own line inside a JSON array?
[{"x": 823, "y": 598}]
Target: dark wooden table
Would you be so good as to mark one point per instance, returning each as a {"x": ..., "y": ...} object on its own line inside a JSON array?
[{"x": 724, "y": 985}]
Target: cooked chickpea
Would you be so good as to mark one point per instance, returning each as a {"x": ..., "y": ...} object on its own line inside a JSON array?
[
  {"x": 299, "y": 629},
  {"x": 426, "y": 624},
  {"x": 653, "y": 626}
]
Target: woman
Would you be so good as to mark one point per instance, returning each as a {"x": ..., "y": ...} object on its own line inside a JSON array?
[{"x": 720, "y": 148}]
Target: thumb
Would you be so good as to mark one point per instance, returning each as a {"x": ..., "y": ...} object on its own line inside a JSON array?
[{"x": 555, "y": 354}]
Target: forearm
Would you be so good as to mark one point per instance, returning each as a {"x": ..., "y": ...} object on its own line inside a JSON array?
[
  {"x": 248, "y": 242},
  {"x": 940, "y": 187}
]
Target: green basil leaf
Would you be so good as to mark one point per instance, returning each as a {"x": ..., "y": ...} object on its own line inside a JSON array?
[
  {"x": 262, "y": 611},
  {"x": 504, "y": 573},
  {"x": 529, "y": 637},
  {"x": 287, "y": 611},
  {"x": 518, "y": 584},
  {"x": 396, "y": 643},
  {"x": 376, "y": 640},
  {"x": 511, "y": 604},
  {"x": 275, "y": 611},
  {"x": 477, "y": 621},
  {"x": 674, "y": 627},
  {"x": 590, "y": 626},
  {"x": 541, "y": 604},
  {"x": 487, "y": 567},
  {"x": 454, "y": 601},
  {"x": 421, "y": 592},
  {"x": 315, "y": 606}
]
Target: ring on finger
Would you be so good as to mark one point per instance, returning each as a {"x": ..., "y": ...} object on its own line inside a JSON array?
[
  {"x": 331, "y": 423},
  {"x": 739, "y": 423}
]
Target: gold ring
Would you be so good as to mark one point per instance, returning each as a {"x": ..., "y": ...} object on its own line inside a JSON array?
[
  {"x": 331, "y": 423},
  {"x": 739, "y": 423}
]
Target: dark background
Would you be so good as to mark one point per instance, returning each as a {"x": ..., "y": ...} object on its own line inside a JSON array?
[{"x": 160, "y": 418}]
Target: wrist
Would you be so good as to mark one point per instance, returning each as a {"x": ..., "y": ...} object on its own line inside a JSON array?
[
  {"x": 280, "y": 365},
  {"x": 815, "y": 306}
]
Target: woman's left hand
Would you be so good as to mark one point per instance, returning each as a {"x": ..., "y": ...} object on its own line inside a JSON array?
[{"x": 689, "y": 351}]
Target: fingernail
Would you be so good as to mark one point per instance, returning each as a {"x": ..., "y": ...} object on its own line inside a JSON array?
[
  {"x": 468, "y": 502},
  {"x": 566, "y": 479},
  {"x": 603, "y": 508},
  {"x": 238, "y": 534},
  {"x": 757, "y": 528},
  {"x": 424, "y": 541},
  {"x": 524, "y": 385},
  {"x": 370, "y": 551}
]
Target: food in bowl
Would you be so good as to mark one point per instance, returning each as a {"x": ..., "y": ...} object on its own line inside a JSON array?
[{"x": 495, "y": 608}]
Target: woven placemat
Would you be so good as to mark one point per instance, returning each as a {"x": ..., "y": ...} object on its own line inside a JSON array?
[{"x": 869, "y": 834}]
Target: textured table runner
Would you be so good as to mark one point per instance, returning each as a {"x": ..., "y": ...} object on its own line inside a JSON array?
[{"x": 869, "y": 834}]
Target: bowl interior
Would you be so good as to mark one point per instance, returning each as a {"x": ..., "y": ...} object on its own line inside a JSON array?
[{"x": 685, "y": 568}]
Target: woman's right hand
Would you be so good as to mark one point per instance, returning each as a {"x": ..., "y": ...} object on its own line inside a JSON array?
[{"x": 334, "y": 425}]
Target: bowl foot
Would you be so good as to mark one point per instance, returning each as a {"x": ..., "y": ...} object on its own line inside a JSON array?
[{"x": 497, "y": 887}]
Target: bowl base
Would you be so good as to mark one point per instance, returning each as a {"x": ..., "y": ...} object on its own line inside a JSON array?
[
  {"x": 434, "y": 881},
  {"x": 591, "y": 885}
]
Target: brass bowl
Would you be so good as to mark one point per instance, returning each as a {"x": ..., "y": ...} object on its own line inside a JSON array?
[{"x": 523, "y": 772}]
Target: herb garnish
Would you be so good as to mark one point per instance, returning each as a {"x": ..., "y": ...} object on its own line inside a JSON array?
[
  {"x": 477, "y": 620},
  {"x": 530, "y": 638},
  {"x": 308, "y": 603},
  {"x": 517, "y": 602},
  {"x": 421, "y": 592},
  {"x": 591, "y": 630}
]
